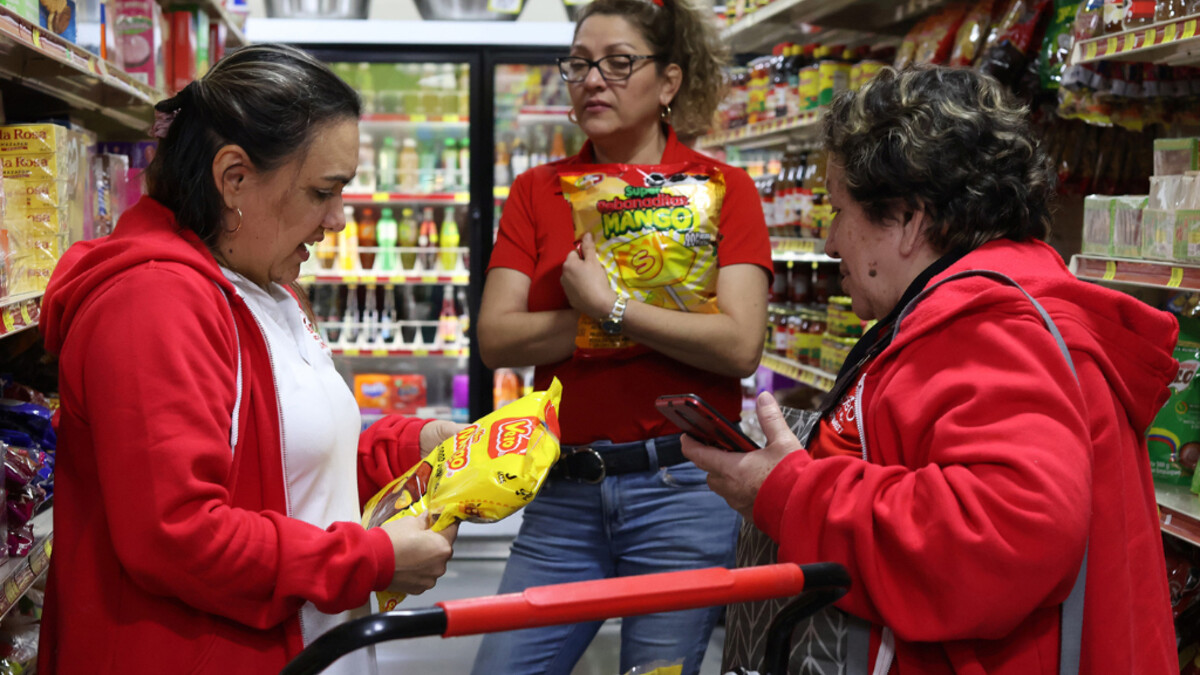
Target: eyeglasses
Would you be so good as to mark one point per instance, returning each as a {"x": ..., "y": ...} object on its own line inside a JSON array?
[{"x": 613, "y": 68}]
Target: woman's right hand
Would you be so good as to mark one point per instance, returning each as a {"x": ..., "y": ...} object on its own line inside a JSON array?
[{"x": 421, "y": 554}]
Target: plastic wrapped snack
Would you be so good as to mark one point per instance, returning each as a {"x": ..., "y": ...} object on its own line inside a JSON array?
[
  {"x": 1174, "y": 437},
  {"x": 484, "y": 473},
  {"x": 656, "y": 232}
]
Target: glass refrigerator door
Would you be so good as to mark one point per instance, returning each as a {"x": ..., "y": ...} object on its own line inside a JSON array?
[
  {"x": 390, "y": 291},
  {"x": 531, "y": 128}
]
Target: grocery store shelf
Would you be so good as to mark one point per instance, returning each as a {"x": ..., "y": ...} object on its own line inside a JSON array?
[
  {"x": 102, "y": 95},
  {"x": 543, "y": 114},
  {"x": 367, "y": 199},
  {"x": 18, "y": 574},
  {"x": 783, "y": 19},
  {"x": 402, "y": 118},
  {"x": 799, "y": 250},
  {"x": 1178, "y": 512},
  {"x": 813, "y": 377},
  {"x": 393, "y": 352},
  {"x": 368, "y": 278},
  {"x": 234, "y": 37},
  {"x": 1174, "y": 43},
  {"x": 19, "y": 312},
  {"x": 1146, "y": 273},
  {"x": 782, "y": 131},
  {"x": 411, "y": 33}
]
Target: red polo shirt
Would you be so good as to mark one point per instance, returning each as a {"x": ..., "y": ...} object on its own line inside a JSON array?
[{"x": 613, "y": 397}]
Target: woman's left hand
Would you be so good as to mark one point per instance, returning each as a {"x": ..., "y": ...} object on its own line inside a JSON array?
[
  {"x": 737, "y": 476},
  {"x": 586, "y": 283},
  {"x": 436, "y": 431}
]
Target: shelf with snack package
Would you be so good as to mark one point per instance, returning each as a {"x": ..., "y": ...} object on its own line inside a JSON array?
[
  {"x": 1174, "y": 42},
  {"x": 1178, "y": 512},
  {"x": 102, "y": 95},
  {"x": 758, "y": 29},
  {"x": 19, "y": 312},
  {"x": 799, "y": 249},
  {"x": 230, "y": 27},
  {"x": 1145, "y": 273},
  {"x": 17, "y": 574}
]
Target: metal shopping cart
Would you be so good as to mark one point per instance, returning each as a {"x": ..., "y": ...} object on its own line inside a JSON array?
[{"x": 814, "y": 586}]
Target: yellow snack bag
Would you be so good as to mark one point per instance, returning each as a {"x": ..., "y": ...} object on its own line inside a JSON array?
[
  {"x": 484, "y": 473},
  {"x": 656, "y": 234}
]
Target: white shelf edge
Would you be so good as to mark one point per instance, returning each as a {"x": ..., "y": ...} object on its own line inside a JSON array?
[{"x": 364, "y": 32}]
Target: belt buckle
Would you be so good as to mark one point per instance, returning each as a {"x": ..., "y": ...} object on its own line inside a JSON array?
[{"x": 599, "y": 461}]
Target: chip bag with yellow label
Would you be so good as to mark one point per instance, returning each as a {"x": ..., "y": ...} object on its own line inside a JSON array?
[
  {"x": 656, "y": 233},
  {"x": 484, "y": 473}
]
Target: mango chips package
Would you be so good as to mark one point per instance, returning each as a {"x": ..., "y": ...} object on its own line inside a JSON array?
[
  {"x": 484, "y": 473},
  {"x": 656, "y": 232}
]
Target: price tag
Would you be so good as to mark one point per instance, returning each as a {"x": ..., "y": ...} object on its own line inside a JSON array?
[
  {"x": 37, "y": 38},
  {"x": 350, "y": 279},
  {"x": 417, "y": 118},
  {"x": 103, "y": 68},
  {"x": 1110, "y": 270},
  {"x": 380, "y": 197},
  {"x": 49, "y": 545},
  {"x": 460, "y": 280},
  {"x": 350, "y": 351},
  {"x": 25, "y": 316},
  {"x": 1130, "y": 42},
  {"x": 449, "y": 118},
  {"x": 1176, "y": 277},
  {"x": 9, "y": 322},
  {"x": 1189, "y": 29},
  {"x": 379, "y": 352},
  {"x": 1148, "y": 37},
  {"x": 420, "y": 352},
  {"x": 1089, "y": 51},
  {"x": 1110, "y": 47},
  {"x": 91, "y": 65},
  {"x": 429, "y": 279},
  {"x": 462, "y": 197},
  {"x": 1169, "y": 33},
  {"x": 452, "y": 352}
]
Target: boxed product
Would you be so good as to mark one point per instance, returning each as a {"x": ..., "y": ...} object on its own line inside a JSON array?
[
  {"x": 181, "y": 50},
  {"x": 1174, "y": 437},
  {"x": 1097, "y": 225},
  {"x": 1176, "y": 156},
  {"x": 373, "y": 392},
  {"x": 109, "y": 192},
  {"x": 1159, "y": 236},
  {"x": 58, "y": 17},
  {"x": 139, "y": 31},
  {"x": 1127, "y": 225},
  {"x": 407, "y": 393}
]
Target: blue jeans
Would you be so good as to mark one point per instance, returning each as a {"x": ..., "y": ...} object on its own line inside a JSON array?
[{"x": 637, "y": 523}]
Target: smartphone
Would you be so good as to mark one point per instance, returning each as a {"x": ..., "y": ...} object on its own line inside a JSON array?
[{"x": 701, "y": 421}]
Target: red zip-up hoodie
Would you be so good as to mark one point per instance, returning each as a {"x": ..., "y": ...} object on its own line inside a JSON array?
[
  {"x": 173, "y": 549},
  {"x": 987, "y": 469}
]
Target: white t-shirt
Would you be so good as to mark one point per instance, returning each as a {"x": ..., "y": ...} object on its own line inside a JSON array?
[{"x": 319, "y": 435}]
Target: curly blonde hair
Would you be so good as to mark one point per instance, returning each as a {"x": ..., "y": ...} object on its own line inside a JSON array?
[
  {"x": 949, "y": 140},
  {"x": 685, "y": 33}
]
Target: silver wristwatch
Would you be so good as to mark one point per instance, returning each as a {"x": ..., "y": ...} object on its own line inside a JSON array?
[{"x": 612, "y": 324}]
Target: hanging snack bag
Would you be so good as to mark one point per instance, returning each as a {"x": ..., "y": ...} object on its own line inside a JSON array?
[
  {"x": 1174, "y": 436},
  {"x": 1056, "y": 46},
  {"x": 484, "y": 473},
  {"x": 656, "y": 234},
  {"x": 971, "y": 33}
]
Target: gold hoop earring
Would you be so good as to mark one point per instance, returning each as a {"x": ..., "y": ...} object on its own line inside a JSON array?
[
  {"x": 571, "y": 116},
  {"x": 665, "y": 113},
  {"x": 239, "y": 225}
]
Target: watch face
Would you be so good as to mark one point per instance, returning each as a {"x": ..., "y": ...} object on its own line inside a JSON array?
[{"x": 611, "y": 327}]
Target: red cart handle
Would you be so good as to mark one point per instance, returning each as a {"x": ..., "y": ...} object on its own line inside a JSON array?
[{"x": 622, "y": 596}]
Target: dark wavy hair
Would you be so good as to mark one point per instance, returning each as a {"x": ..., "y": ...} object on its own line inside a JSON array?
[
  {"x": 684, "y": 32},
  {"x": 951, "y": 141},
  {"x": 269, "y": 99}
]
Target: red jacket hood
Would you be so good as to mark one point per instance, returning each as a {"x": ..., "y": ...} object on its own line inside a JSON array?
[
  {"x": 146, "y": 232},
  {"x": 1131, "y": 342}
]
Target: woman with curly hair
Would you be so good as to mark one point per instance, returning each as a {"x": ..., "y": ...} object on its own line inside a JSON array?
[
  {"x": 979, "y": 466},
  {"x": 623, "y": 500}
]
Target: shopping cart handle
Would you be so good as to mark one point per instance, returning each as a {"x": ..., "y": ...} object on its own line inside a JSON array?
[
  {"x": 578, "y": 602},
  {"x": 624, "y": 596}
]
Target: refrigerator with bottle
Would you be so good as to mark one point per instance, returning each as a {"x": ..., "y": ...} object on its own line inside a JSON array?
[{"x": 449, "y": 119}]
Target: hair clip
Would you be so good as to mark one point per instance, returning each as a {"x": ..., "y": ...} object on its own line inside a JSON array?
[{"x": 162, "y": 122}]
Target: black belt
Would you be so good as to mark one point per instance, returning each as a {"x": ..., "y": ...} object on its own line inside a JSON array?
[{"x": 591, "y": 463}]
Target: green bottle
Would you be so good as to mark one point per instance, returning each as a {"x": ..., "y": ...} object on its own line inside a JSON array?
[
  {"x": 406, "y": 237},
  {"x": 386, "y": 232}
]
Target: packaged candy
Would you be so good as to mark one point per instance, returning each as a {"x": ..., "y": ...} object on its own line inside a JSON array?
[
  {"x": 484, "y": 473},
  {"x": 1056, "y": 47},
  {"x": 1174, "y": 436},
  {"x": 656, "y": 234},
  {"x": 1176, "y": 156},
  {"x": 972, "y": 33}
]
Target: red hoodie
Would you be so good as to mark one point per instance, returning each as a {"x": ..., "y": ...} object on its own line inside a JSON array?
[
  {"x": 172, "y": 553},
  {"x": 988, "y": 470}
]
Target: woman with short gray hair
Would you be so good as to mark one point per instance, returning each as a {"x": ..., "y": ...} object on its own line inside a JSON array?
[{"x": 979, "y": 467}]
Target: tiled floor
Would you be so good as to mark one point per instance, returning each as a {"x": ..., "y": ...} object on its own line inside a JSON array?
[{"x": 479, "y": 575}]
